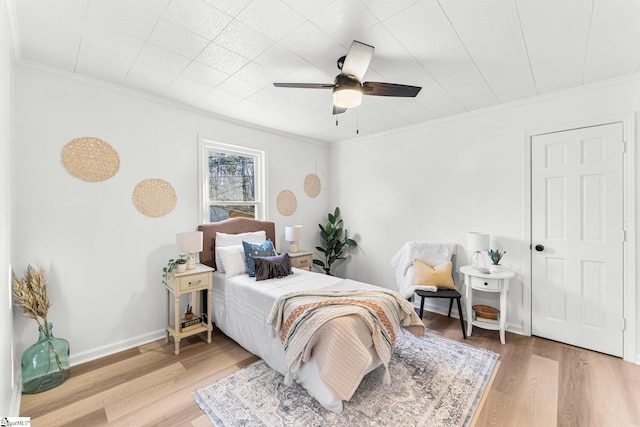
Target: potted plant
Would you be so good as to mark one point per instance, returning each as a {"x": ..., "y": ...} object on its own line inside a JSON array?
[
  {"x": 335, "y": 239},
  {"x": 188, "y": 315},
  {"x": 495, "y": 256},
  {"x": 167, "y": 272},
  {"x": 45, "y": 364},
  {"x": 181, "y": 265}
]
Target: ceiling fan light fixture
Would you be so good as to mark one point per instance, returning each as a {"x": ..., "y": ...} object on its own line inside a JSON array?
[
  {"x": 347, "y": 97},
  {"x": 348, "y": 88}
]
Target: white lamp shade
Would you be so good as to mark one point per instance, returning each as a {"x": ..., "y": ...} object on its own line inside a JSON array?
[
  {"x": 478, "y": 241},
  {"x": 189, "y": 241},
  {"x": 293, "y": 233}
]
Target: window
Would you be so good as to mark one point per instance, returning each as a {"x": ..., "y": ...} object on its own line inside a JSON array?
[{"x": 232, "y": 180}]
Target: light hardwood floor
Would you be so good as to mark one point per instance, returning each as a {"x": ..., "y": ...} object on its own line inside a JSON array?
[{"x": 538, "y": 383}]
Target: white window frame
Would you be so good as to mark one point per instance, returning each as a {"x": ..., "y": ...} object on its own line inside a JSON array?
[{"x": 206, "y": 145}]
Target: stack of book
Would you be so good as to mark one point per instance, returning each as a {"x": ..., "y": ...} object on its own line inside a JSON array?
[{"x": 187, "y": 325}]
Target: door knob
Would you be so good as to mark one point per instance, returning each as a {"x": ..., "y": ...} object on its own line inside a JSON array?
[{"x": 539, "y": 248}]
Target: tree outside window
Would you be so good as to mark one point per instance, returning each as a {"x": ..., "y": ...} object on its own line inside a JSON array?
[{"x": 232, "y": 178}]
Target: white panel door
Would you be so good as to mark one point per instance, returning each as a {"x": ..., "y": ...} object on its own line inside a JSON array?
[{"x": 577, "y": 237}]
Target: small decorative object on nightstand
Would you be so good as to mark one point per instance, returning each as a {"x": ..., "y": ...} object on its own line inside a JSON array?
[
  {"x": 495, "y": 256},
  {"x": 495, "y": 282},
  {"x": 188, "y": 314},
  {"x": 190, "y": 282},
  {"x": 301, "y": 259},
  {"x": 181, "y": 265}
]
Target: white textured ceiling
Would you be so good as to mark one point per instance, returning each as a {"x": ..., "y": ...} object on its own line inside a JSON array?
[{"x": 224, "y": 55}]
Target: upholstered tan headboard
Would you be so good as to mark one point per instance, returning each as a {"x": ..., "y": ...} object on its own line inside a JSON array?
[{"x": 230, "y": 226}]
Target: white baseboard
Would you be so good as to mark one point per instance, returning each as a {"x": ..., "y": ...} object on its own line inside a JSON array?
[
  {"x": 89, "y": 355},
  {"x": 638, "y": 359}
]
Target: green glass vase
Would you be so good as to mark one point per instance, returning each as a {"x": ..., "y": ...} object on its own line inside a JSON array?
[{"x": 45, "y": 364}]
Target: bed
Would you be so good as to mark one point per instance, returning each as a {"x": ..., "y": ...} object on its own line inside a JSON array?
[{"x": 243, "y": 307}]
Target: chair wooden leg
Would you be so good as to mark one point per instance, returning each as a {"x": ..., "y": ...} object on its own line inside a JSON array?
[
  {"x": 450, "y": 305},
  {"x": 421, "y": 306},
  {"x": 464, "y": 332}
]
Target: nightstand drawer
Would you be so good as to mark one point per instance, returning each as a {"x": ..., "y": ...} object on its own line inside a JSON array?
[
  {"x": 485, "y": 284},
  {"x": 301, "y": 262},
  {"x": 193, "y": 282}
]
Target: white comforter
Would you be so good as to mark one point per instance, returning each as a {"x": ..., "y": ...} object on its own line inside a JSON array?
[{"x": 241, "y": 307}]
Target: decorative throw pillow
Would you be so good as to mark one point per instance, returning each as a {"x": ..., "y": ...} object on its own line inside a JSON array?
[
  {"x": 253, "y": 249},
  {"x": 233, "y": 260},
  {"x": 439, "y": 276},
  {"x": 271, "y": 267},
  {"x": 224, "y": 239}
]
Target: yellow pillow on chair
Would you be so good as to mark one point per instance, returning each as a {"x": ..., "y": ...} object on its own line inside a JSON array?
[{"x": 439, "y": 276}]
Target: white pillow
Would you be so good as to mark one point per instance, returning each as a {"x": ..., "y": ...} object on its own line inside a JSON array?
[
  {"x": 224, "y": 239},
  {"x": 233, "y": 260}
]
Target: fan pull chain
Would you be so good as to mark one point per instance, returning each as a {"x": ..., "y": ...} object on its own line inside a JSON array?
[{"x": 357, "y": 122}]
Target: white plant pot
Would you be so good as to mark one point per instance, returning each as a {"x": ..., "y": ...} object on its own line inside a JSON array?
[
  {"x": 181, "y": 268},
  {"x": 495, "y": 268}
]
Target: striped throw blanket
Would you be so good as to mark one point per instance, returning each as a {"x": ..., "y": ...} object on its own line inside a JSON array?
[{"x": 298, "y": 318}]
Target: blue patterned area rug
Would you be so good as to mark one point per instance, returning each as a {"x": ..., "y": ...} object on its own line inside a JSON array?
[{"x": 434, "y": 382}]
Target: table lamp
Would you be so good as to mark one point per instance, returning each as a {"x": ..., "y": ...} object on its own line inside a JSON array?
[
  {"x": 293, "y": 234},
  {"x": 189, "y": 242},
  {"x": 478, "y": 243}
]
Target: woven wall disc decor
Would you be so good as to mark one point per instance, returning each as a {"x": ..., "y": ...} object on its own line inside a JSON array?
[
  {"x": 312, "y": 185},
  {"x": 286, "y": 203},
  {"x": 90, "y": 159},
  {"x": 154, "y": 197}
]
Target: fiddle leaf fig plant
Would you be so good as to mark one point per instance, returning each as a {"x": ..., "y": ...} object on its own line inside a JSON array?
[{"x": 335, "y": 240}]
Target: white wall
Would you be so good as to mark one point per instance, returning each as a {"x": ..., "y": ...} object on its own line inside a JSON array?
[
  {"x": 7, "y": 390},
  {"x": 441, "y": 180},
  {"x": 103, "y": 258}
]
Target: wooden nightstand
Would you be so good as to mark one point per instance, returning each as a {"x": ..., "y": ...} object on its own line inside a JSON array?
[
  {"x": 190, "y": 282},
  {"x": 301, "y": 259}
]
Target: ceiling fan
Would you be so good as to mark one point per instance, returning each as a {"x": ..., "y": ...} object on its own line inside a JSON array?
[{"x": 348, "y": 87}]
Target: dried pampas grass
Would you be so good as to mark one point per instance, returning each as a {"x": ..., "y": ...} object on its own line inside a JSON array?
[{"x": 31, "y": 293}]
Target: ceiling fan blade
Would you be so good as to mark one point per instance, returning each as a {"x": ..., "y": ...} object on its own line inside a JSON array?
[
  {"x": 357, "y": 60},
  {"x": 338, "y": 110},
  {"x": 305, "y": 85},
  {"x": 389, "y": 89}
]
